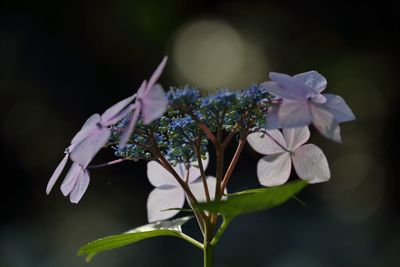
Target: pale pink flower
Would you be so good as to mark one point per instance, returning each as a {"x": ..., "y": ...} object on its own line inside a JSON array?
[
  {"x": 303, "y": 103},
  {"x": 281, "y": 150},
  {"x": 150, "y": 103},
  {"x": 168, "y": 194}
]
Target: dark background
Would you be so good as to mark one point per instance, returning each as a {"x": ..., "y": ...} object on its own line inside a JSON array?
[{"x": 62, "y": 61}]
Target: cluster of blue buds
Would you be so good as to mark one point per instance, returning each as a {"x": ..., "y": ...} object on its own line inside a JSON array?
[{"x": 177, "y": 133}]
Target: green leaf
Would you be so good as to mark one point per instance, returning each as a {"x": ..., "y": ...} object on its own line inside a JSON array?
[
  {"x": 162, "y": 228},
  {"x": 253, "y": 200}
]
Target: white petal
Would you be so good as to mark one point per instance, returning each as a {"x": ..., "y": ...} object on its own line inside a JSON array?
[
  {"x": 310, "y": 164},
  {"x": 119, "y": 116},
  {"x": 160, "y": 200},
  {"x": 312, "y": 79},
  {"x": 154, "y": 104},
  {"x": 274, "y": 169},
  {"x": 56, "y": 173},
  {"x": 113, "y": 111},
  {"x": 126, "y": 135},
  {"x": 198, "y": 191},
  {"x": 158, "y": 175},
  {"x": 85, "y": 151},
  {"x": 337, "y": 106},
  {"x": 71, "y": 178},
  {"x": 272, "y": 118},
  {"x": 295, "y": 137},
  {"x": 194, "y": 170},
  {"x": 80, "y": 187},
  {"x": 156, "y": 75},
  {"x": 87, "y": 127},
  {"x": 294, "y": 113},
  {"x": 325, "y": 123},
  {"x": 266, "y": 143}
]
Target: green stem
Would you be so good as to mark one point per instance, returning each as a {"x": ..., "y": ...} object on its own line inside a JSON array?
[
  {"x": 220, "y": 231},
  {"x": 191, "y": 240},
  {"x": 208, "y": 256}
]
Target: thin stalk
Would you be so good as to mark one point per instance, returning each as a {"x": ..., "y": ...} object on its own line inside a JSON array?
[
  {"x": 220, "y": 231},
  {"x": 107, "y": 163},
  {"x": 233, "y": 163},
  {"x": 193, "y": 241},
  {"x": 196, "y": 147}
]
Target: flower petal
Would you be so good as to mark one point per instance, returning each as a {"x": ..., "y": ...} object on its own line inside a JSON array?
[
  {"x": 273, "y": 118},
  {"x": 274, "y": 169},
  {"x": 337, "y": 106},
  {"x": 110, "y": 114},
  {"x": 266, "y": 143},
  {"x": 160, "y": 200},
  {"x": 295, "y": 137},
  {"x": 159, "y": 176},
  {"x": 85, "y": 151},
  {"x": 154, "y": 104},
  {"x": 312, "y": 79},
  {"x": 71, "y": 178},
  {"x": 126, "y": 134},
  {"x": 288, "y": 87},
  {"x": 294, "y": 113},
  {"x": 155, "y": 76},
  {"x": 56, "y": 173},
  {"x": 325, "y": 123},
  {"x": 310, "y": 164},
  {"x": 80, "y": 187},
  {"x": 198, "y": 191},
  {"x": 87, "y": 127},
  {"x": 194, "y": 170}
]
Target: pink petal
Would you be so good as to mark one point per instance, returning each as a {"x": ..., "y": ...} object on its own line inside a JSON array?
[
  {"x": 85, "y": 151},
  {"x": 274, "y": 169},
  {"x": 325, "y": 123},
  {"x": 310, "y": 164},
  {"x": 156, "y": 75},
  {"x": 126, "y": 135},
  {"x": 56, "y": 173},
  {"x": 295, "y": 137},
  {"x": 337, "y": 106},
  {"x": 154, "y": 104},
  {"x": 159, "y": 176},
  {"x": 294, "y": 113},
  {"x": 266, "y": 145},
  {"x": 120, "y": 115},
  {"x": 71, "y": 178},
  {"x": 110, "y": 114},
  {"x": 87, "y": 127},
  {"x": 312, "y": 79},
  {"x": 80, "y": 187},
  {"x": 160, "y": 200}
]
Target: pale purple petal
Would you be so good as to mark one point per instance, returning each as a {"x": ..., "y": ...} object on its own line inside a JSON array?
[
  {"x": 294, "y": 113},
  {"x": 114, "y": 110},
  {"x": 288, "y": 87},
  {"x": 126, "y": 134},
  {"x": 272, "y": 117},
  {"x": 154, "y": 104},
  {"x": 159, "y": 176},
  {"x": 337, "y": 106},
  {"x": 318, "y": 98},
  {"x": 71, "y": 178},
  {"x": 295, "y": 137},
  {"x": 274, "y": 169},
  {"x": 120, "y": 115},
  {"x": 56, "y": 173},
  {"x": 310, "y": 164},
  {"x": 86, "y": 129},
  {"x": 80, "y": 187},
  {"x": 156, "y": 75},
  {"x": 266, "y": 144},
  {"x": 160, "y": 200},
  {"x": 198, "y": 191},
  {"x": 312, "y": 79},
  {"x": 325, "y": 123},
  {"x": 85, "y": 151}
]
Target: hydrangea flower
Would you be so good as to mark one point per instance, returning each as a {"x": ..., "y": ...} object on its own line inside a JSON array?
[
  {"x": 303, "y": 103},
  {"x": 151, "y": 103},
  {"x": 168, "y": 194},
  {"x": 280, "y": 150}
]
